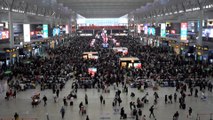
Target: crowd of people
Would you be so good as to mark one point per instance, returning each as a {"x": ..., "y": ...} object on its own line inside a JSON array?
[{"x": 157, "y": 63}]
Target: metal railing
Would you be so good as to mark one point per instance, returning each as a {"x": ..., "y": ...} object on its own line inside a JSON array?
[{"x": 208, "y": 116}]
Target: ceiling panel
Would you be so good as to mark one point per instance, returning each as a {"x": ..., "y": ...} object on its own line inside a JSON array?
[{"x": 103, "y": 8}]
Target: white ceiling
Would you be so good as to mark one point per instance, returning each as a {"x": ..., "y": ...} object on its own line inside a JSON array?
[{"x": 104, "y": 8}]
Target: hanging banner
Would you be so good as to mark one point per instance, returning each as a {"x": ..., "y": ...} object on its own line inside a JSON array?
[{"x": 163, "y": 30}]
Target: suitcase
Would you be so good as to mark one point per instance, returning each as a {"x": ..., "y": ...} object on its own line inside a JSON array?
[
  {"x": 184, "y": 106},
  {"x": 84, "y": 111},
  {"x": 71, "y": 103},
  {"x": 113, "y": 104},
  {"x": 104, "y": 102},
  {"x": 125, "y": 116}
]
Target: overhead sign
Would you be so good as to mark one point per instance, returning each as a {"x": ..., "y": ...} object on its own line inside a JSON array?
[
  {"x": 183, "y": 33},
  {"x": 26, "y": 32},
  {"x": 45, "y": 31},
  {"x": 163, "y": 30}
]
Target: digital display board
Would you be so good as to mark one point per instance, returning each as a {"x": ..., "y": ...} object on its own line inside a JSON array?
[
  {"x": 4, "y": 35},
  {"x": 183, "y": 33},
  {"x": 208, "y": 32},
  {"x": 45, "y": 31},
  {"x": 26, "y": 32},
  {"x": 56, "y": 31},
  {"x": 163, "y": 30}
]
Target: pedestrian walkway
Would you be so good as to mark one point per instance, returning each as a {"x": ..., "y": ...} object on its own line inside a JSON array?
[{"x": 97, "y": 111}]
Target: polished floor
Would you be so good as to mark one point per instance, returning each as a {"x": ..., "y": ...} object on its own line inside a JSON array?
[{"x": 96, "y": 111}]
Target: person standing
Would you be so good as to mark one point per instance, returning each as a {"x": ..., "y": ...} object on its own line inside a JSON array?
[
  {"x": 175, "y": 97},
  {"x": 57, "y": 92},
  {"x": 170, "y": 98},
  {"x": 101, "y": 98},
  {"x": 151, "y": 109},
  {"x": 45, "y": 100},
  {"x": 144, "y": 117},
  {"x": 86, "y": 99},
  {"x": 190, "y": 111},
  {"x": 62, "y": 112},
  {"x": 87, "y": 117},
  {"x": 196, "y": 92},
  {"x": 166, "y": 99},
  {"x": 191, "y": 91},
  {"x": 16, "y": 116}
]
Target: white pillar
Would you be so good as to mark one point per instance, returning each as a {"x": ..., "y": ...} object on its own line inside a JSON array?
[
  {"x": 10, "y": 22},
  {"x": 200, "y": 22}
]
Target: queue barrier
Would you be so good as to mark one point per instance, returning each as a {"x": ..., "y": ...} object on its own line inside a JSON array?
[
  {"x": 25, "y": 118},
  {"x": 207, "y": 116}
]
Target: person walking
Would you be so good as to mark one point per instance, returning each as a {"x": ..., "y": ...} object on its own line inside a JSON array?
[
  {"x": 62, "y": 112},
  {"x": 65, "y": 101},
  {"x": 151, "y": 109},
  {"x": 16, "y": 116},
  {"x": 190, "y": 111},
  {"x": 45, "y": 100},
  {"x": 176, "y": 116},
  {"x": 87, "y": 118},
  {"x": 144, "y": 117}
]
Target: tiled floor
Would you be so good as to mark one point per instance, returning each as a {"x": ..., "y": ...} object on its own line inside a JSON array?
[{"x": 96, "y": 111}]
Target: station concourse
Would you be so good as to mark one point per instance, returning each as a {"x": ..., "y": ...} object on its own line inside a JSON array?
[{"x": 106, "y": 60}]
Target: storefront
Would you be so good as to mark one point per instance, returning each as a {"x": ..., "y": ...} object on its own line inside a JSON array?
[
  {"x": 130, "y": 62},
  {"x": 90, "y": 55},
  {"x": 122, "y": 50},
  {"x": 11, "y": 56}
]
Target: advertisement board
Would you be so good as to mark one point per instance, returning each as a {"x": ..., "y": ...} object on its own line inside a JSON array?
[
  {"x": 26, "y": 32},
  {"x": 183, "y": 33},
  {"x": 151, "y": 31},
  {"x": 0, "y": 35},
  {"x": 67, "y": 29},
  {"x": 163, "y": 30},
  {"x": 146, "y": 29},
  {"x": 45, "y": 31}
]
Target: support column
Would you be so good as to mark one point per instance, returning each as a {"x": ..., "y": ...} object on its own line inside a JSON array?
[
  {"x": 200, "y": 22},
  {"x": 10, "y": 22}
]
